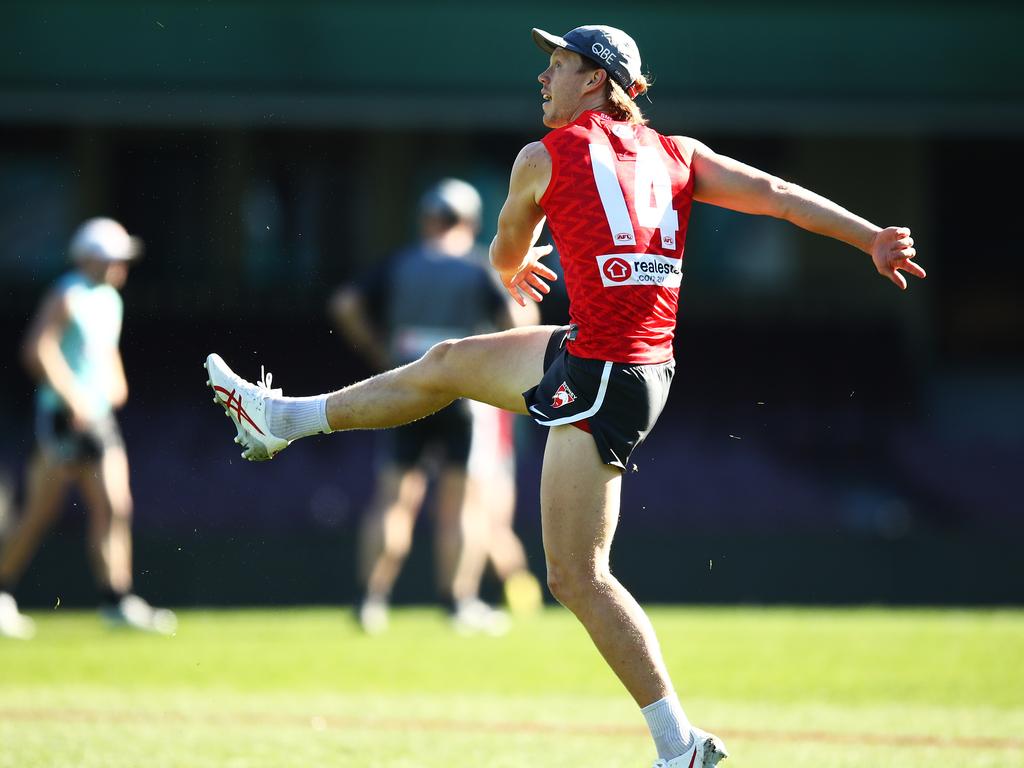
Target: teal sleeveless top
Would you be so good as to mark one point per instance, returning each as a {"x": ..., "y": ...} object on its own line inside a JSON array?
[{"x": 95, "y": 312}]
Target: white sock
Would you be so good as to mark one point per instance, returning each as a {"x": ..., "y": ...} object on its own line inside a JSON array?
[
  {"x": 669, "y": 726},
  {"x": 293, "y": 417}
]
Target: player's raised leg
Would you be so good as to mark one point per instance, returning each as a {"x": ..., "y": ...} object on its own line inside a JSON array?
[{"x": 493, "y": 368}]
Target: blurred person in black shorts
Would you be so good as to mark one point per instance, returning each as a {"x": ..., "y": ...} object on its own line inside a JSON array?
[
  {"x": 435, "y": 289},
  {"x": 72, "y": 349}
]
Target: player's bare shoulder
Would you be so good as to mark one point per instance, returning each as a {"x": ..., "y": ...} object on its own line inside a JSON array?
[
  {"x": 534, "y": 156},
  {"x": 688, "y": 147},
  {"x": 532, "y": 169}
]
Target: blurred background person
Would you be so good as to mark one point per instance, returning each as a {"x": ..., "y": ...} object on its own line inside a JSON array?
[
  {"x": 72, "y": 350},
  {"x": 435, "y": 289},
  {"x": 491, "y": 489}
]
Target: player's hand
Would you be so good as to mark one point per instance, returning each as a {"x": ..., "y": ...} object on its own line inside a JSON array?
[
  {"x": 892, "y": 251},
  {"x": 529, "y": 279}
]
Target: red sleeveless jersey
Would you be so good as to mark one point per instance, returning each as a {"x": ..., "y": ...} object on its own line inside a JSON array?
[{"x": 617, "y": 205}]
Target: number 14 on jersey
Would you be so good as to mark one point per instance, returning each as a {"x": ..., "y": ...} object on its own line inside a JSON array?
[{"x": 652, "y": 196}]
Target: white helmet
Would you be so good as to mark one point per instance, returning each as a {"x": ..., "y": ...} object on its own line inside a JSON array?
[{"x": 103, "y": 239}]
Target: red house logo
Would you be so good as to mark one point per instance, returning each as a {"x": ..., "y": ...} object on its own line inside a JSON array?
[{"x": 617, "y": 270}]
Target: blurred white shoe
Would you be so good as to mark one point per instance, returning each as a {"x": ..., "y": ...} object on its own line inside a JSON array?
[
  {"x": 135, "y": 613},
  {"x": 373, "y": 615},
  {"x": 706, "y": 752},
  {"x": 473, "y": 616},
  {"x": 13, "y": 623},
  {"x": 246, "y": 406}
]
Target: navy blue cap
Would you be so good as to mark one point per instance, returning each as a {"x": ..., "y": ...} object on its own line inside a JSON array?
[{"x": 610, "y": 48}]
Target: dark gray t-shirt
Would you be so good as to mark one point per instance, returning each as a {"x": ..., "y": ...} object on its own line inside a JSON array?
[{"x": 420, "y": 297}]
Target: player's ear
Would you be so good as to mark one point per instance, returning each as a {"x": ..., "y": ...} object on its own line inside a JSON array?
[{"x": 596, "y": 80}]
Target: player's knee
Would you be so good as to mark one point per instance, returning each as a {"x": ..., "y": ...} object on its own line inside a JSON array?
[
  {"x": 444, "y": 361},
  {"x": 573, "y": 584},
  {"x": 440, "y": 356},
  {"x": 555, "y": 584}
]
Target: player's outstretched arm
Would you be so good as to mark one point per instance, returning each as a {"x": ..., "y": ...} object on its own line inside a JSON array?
[
  {"x": 513, "y": 253},
  {"x": 722, "y": 181}
]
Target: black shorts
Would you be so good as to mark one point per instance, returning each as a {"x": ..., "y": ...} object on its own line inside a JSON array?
[
  {"x": 447, "y": 434},
  {"x": 618, "y": 404},
  {"x": 56, "y": 436}
]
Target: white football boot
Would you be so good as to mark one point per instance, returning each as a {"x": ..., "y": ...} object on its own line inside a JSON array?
[
  {"x": 132, "y": 612},
  {"x": 13, "y": 623},
  {"x": 707, "y": 751},
  {"x": 246, "y": 405}
]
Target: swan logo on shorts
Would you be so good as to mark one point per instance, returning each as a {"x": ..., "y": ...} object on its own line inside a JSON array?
[{"x": 563, "y": 396}]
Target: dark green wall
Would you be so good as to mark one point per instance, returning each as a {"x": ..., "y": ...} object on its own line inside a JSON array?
[
  {"x": 856, "y": 66},
  {"x": 319, "y": 568}
]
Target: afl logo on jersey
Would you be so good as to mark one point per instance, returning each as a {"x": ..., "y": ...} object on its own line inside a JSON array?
[{"x": 617, "y": 270}]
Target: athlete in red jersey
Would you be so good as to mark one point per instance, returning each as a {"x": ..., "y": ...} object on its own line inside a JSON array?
[
  {"x": 617, "y": 197},
  {"x": 617, "y": 205}
]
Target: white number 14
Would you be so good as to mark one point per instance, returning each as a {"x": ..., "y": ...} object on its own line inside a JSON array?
[{"x": 651, "y": 183}]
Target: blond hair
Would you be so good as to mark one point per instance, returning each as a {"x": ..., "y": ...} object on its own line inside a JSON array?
[
  {"x": 620, "y": 106},
  {"x": 617, "y": 101}
]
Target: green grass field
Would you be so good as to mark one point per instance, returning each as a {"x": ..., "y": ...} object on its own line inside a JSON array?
[{"x": 788, "y": 688}]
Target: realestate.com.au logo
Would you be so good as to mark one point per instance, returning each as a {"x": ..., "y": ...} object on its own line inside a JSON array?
[{"x": 640, "y": 269}]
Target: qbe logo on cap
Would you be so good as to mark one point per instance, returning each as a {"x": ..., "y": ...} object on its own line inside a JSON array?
[{"x": 603, "y": 52}]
